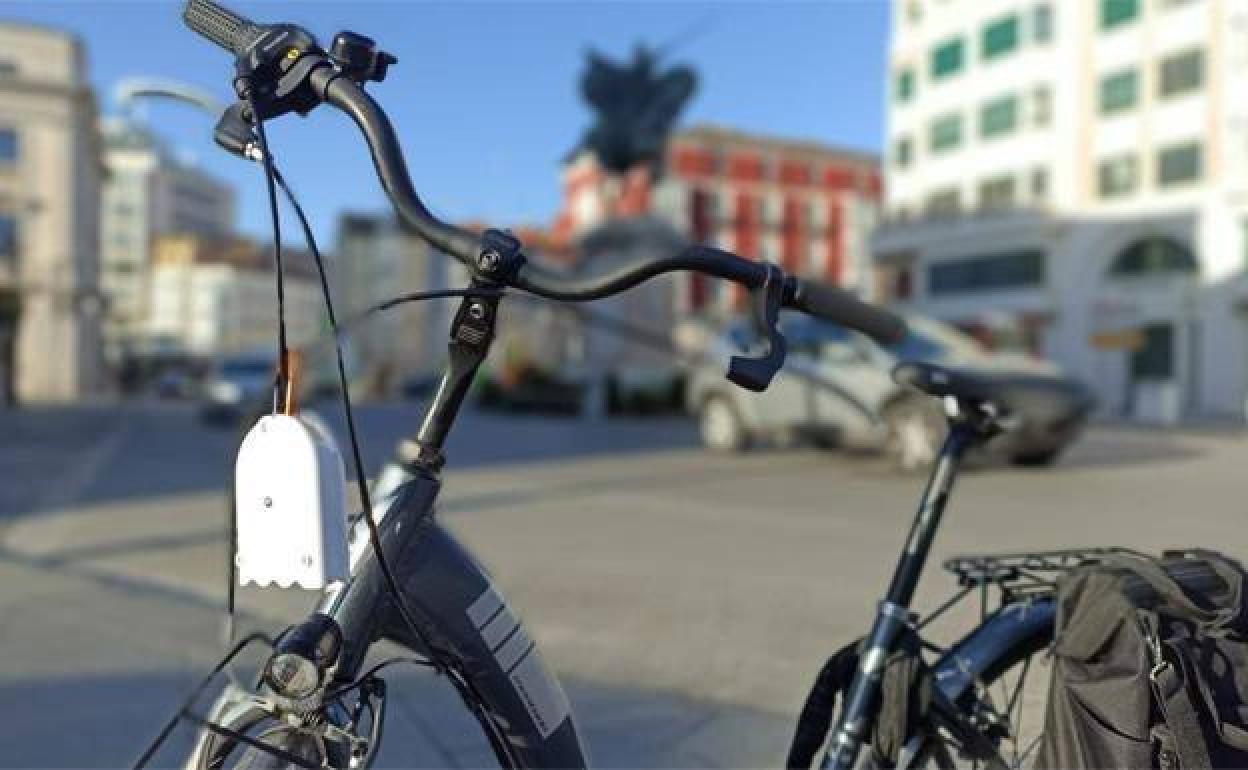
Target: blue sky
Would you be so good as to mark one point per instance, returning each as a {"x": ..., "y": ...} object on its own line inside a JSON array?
[{"x": 485, "y": 94}]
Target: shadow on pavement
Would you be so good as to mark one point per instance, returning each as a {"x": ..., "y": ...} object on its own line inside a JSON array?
[
  {"x": 100, "y": 721},
  {"x": 55, "y": 458}
]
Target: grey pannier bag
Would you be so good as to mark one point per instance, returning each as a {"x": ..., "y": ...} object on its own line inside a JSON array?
[{"x": 1150, "y": 665}]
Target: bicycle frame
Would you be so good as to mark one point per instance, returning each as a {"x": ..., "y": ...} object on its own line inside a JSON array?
[
  {"x": 893, "y": 614},
  {"x": 465, "y": 619}
]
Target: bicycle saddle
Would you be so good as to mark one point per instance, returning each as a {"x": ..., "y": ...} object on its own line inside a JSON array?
[{"x": 936, "y": 380}]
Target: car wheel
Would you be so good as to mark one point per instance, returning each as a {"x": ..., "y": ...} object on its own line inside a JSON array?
[
  {"x": 721, "y": 426},
  {"x": 1036, "y": 459},
  {"x": 914, "y": 430}
]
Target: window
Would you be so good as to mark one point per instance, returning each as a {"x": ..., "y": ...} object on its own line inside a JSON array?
[
  {"x": 945, "y": 133},
  {"x": 1179, "y": 164},
  {"x": 1243, "y": 251},
  {"x": 8, "y": 237},
  {"x": 1005, "y": 270},
  {"x": 1154, "y": 360},
  {"x": 1042, "y": 23},
  {"x": 1181, "y": 73},
  {"x": 997, "y": 193},
  {"x": 903, "y": 152},
  {"x": 1039, "y": 184},
  {"x": 1117, "y": 176},
  {"x": 905, "y": 85},
  {"x": 944, "y": 202},
  {"x": 1117, "y": 12},
  {"x": 999, "y": 38},
  {"x": 1155, "y": 255},
  {"x": 998, "y": 117},
  {"x": 8, "y": 146},
  {"x": 1119, "y": 91},
  {"x": 1041, "y": 106},
  {"x": 8, "y": 68},
  {"x": 947, "y": 59}
]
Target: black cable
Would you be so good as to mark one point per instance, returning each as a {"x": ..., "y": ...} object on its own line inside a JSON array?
[
  {"x": 185, "y": 708},
  {"x": 374, "y": 535},
  {"x": 360, "y": 680},
  {"x": 467, "y": 692},
  {"x": 279, "y": 394}
]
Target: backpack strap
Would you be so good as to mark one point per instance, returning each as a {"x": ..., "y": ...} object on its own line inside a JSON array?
[{"x": 1180, "y": 715}]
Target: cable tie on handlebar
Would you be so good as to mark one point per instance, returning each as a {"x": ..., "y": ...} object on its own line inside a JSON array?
[{"x": 500, "y": 257}]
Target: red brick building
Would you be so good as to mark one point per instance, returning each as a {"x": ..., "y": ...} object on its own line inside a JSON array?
[{"x": 806, "y": 206}]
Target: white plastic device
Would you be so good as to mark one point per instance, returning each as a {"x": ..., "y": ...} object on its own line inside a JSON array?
[{"x": 290, "y": 499}]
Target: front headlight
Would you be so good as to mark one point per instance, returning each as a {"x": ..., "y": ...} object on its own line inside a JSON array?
[{"x": 293, "y": 676}]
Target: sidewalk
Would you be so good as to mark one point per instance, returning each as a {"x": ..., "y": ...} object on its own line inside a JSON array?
[
  {"x": 45, "y": 452},
  {"x": 95, "y": 664}
]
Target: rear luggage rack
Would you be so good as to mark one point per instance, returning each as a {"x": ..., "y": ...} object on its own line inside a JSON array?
[
  {"x": 1018, "y": 577},
  {"x": 1023, "y": 573}
]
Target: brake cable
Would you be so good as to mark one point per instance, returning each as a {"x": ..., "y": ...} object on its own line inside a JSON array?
[{"x": 463, "y": 686}]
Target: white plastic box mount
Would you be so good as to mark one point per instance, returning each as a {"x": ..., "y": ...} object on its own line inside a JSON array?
[{"x": 290, "y": 498}]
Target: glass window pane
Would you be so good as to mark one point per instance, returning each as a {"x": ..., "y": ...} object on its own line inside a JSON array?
[
  {"x": 1154, "y": 360},
  {"x": 1000, "y": 37},
  {"x": 997, "y": 193},
  {"x": 1182, "y": 72},
  {"x": 947, "y": 58},
  {"x": 8, "y": 236},
  {"x": 1117, "y": 176},
  {"x": 1179, "y": 164},
  {"x": 946, "y": 133},
  {"x": 8, "y": 145},
  {"x": 905, "y": 85},
  {"x": 1042, "y": 105},
  {"x": 1007, "y": 270},
  {"x": 1042, "y": 23},
  {"x": 1116, "y": 12},
  {"x": 944, "y": 202},
  {"x": 998, "y": 117},
  {"x": 1119, "y": 91},
  {"x": 902, "y": 152}
]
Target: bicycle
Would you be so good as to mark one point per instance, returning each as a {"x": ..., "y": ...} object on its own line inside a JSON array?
[{"x": 314, "y": 703}]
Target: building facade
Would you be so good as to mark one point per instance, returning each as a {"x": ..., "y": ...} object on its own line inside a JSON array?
[
  {"x": 377, "y": 260},
  {"x": 50, "y": 305},
  {"x": 804, "y": 205},
  {"x": 147, "y": 193},
  {"x": 210, "y": 296},
  {"x": 1071, "y": 178}
]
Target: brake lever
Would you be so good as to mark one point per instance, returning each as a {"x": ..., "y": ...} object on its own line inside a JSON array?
[{"x": 756, "y": 372}]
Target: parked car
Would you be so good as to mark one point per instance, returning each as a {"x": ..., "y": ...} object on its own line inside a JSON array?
[
  {"x": 238, "y": 386},
  {"x": 837, "y": 388}
]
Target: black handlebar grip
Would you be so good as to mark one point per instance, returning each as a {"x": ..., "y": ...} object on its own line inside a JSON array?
[
  {"x": 842, "y": 307},
  {"x": 220, "y": 25}
]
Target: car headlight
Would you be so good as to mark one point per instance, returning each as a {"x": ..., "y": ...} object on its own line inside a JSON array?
[{"x": 225, "y": 392}]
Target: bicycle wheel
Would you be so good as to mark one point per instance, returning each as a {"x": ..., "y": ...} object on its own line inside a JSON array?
[{"x": 999, "y": 721}]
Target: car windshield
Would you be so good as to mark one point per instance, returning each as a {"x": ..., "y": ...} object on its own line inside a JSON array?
[
  {"x": 932, "y": 341},
  {"x": 800, "y": 332},
  {"x": 246, "y": 367}
]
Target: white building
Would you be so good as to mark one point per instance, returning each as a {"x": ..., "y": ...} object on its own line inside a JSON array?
[
  {"x": 49, "y": 202},
  {"x": 147, "y": 193},
  {"x": 1073, "y": 175},
  {"x": 212, "y": 296},
  {"x": 377, "y": 260}
]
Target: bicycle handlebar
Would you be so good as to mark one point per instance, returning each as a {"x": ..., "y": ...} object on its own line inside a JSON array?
[
  {"x": 326, "y": 81},
  {"x": 221, "y": 25}
]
